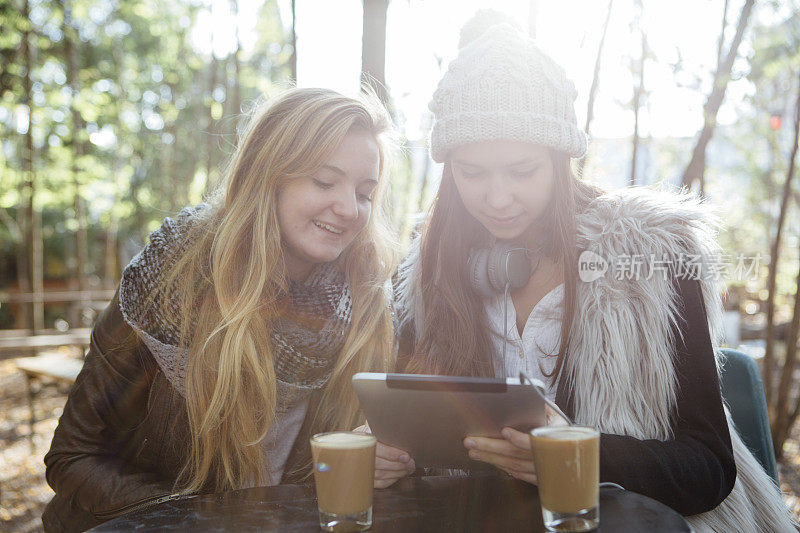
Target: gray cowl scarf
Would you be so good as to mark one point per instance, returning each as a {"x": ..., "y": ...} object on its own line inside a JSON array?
[{"x": 306, "y": 338}]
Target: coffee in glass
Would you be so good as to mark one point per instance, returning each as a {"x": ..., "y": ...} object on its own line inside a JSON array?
[
  {"x": 567, "y": 460},
  {"x": 344, "y": 468}
]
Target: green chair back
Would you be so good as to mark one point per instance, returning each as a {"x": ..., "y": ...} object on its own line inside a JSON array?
[{"x": 743, "y": 392}]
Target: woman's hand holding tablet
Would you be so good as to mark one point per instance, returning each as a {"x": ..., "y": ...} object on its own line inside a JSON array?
[
  {"x": 391, "y": 464},
  {"x": 512, "y": 453}
]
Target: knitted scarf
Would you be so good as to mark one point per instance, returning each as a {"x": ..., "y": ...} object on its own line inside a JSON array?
[{"x": 306, "y": 338}]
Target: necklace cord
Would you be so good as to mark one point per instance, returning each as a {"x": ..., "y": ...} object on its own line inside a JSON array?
[{"x": 505, "y": 326}]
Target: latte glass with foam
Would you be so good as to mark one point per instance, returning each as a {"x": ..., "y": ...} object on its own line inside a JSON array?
[
  {"x": 567, "y": 460},
  {"x": 344, "y": 468}
]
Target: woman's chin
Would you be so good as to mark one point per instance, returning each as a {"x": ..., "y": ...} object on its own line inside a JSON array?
[
  {"x": 507, "y": 234},
  {"x": 326, "y": 255}
]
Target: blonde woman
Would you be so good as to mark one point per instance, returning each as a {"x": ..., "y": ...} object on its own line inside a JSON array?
[{"x": 236, "y": 330}]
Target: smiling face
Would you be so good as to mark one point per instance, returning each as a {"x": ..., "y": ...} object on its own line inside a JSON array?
[
  {"x": 320, "y": 215},
  {"x": 505, "y": 185}
]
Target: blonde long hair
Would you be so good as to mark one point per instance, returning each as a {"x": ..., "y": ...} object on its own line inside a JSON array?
[{"x": 230, "y": 278}]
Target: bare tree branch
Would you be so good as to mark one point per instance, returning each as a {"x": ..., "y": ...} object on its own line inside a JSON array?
[
  {"x": 11, "y": 225},
  {"x": 721, "y": 42},
  {"x": 697, "y": 165},
  {"x": 780, "y": 426},
  {"x": 595, "y": 82},
  {"x": 769, "y": 349},
  {"x": 373, "y": 47}
]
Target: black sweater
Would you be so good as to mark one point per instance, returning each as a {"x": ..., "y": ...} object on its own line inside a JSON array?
[{"x": 695, "y": 471}]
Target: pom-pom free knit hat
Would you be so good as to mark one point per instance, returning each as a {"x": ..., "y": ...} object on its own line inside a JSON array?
[{"x": 501, "y": 86}]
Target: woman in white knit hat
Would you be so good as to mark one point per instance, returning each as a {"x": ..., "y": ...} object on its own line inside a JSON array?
[{"x": 625, "y": 343}]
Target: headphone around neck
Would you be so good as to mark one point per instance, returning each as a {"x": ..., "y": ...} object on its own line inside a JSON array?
[{"x": 504, "y": 265}]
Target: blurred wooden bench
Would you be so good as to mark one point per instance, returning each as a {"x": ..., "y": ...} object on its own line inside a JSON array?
[
  {"x": 56, "y": 367},
  {"x": 14, "y": 343}
]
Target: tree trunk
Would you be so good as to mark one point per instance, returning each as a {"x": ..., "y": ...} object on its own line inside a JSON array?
[
  {"x": 595, "y": 83},
  {"x": 373, "y": 47},
  {"x": 34, "y": 227},
  {"x": 17, "y": 225},
  {"x": 780, "y": 422},
  {"x": 424, "y": 185},
  {"x": 780, "y": 426},
  {"x": 721, "y": 40},
  {"x": 769, "y": 349},
  {"x": 638, "y": 93},
  {"x": 111, "y": 266},
  {"x": 211, "y": 126},
  {"x": 697, "y": 165},
  {"x": 25, "y": 318},
  {"x": 23, "y": 270},
  {"x": 293, "y": 42},
  {"x": 178, "y": 184},
  {"x": 635, "y": 150},
  {"x": 81, "y": 239},
  {"x": 794, "y": 415},
  {"x": 236, "y": 103}
]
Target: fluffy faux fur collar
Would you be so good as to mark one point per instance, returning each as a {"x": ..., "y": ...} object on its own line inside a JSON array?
[{"x": 622, "y": 332}]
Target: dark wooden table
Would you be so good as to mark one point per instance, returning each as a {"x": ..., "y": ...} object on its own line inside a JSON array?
[{"x": 485, "y": 503}]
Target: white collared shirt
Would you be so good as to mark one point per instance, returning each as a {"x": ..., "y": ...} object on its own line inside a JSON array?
[{"x": 540, "y": 342}]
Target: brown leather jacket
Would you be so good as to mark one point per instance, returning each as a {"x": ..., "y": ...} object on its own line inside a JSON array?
[{"x": 123, "y": 436}]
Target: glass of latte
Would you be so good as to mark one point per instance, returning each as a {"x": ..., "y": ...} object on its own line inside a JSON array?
[
  {"x": 344, "y": 468},
  {"x": 567, "y": 460}
]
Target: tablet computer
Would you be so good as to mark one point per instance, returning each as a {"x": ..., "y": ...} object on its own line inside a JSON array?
[{"x": 429, "y": 416}]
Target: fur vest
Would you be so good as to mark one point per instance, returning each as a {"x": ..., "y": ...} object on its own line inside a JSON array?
[{"x": 623, "y": 328}]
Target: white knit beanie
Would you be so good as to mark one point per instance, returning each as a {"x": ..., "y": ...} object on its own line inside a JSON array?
[{"x": 501, "y": 86}]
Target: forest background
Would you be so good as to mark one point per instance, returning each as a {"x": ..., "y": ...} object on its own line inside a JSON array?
[{"x": 115, "y": 114}]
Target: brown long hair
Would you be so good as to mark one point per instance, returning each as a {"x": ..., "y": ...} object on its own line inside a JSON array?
[{"x": 455, "y": 338}]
